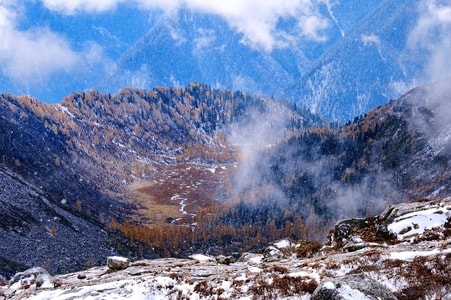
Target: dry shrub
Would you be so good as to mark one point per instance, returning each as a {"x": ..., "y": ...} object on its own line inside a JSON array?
[
  {"x": 307, "y": 249},
  {"x": 283, "y": 285},
  {"x": 427, "y": 277},
  {"x": 204, "y": 289},
  {"x": 280, "y": 269}
]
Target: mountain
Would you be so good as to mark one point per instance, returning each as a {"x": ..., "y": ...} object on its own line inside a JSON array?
[
  {"x": 397, "y": 152},
  {"x": 66, "y": 168},
  {"x": 338, "y": 58},
  {"x": 360, "y": 259},
  {"x": 361, "y": 65},
  {"x": 361, "y": 70},
  {"x": 173, "y": 171}
]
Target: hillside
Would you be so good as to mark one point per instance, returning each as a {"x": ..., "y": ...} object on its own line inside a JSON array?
[
  {"x": 173, "y": 171},
  {"x": 397, "y": 152},
  {"x": 360, "y": 260},
  {"x": 82, "y": 155}
]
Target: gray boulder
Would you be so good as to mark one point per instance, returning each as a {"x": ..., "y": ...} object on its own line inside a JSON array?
[
  {"x": 116, "y": 263},
  {"x": 35, "y": 276},
  {"x": 357, "y": 286},
  {"x": 225, "y": 260}
]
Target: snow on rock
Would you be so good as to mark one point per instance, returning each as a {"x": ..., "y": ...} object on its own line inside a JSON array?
[
  {"x": 352, "y": 287},
  {"x": 284, "y": 243},
  {"x": 396, "y": 269},
  {"x": 117, "y": 263},
  {"x": 34, "y": 276},
  {"x": 415, "y": 223},
  {"x": 202, "y": 258},
  {"x": 329, "y": 285}
]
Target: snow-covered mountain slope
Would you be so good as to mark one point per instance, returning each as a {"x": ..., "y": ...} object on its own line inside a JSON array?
[
  {"x": 362, "y": 62},
  {"x": 363, "y": 69},
  {"x": 383, "y": 263}
]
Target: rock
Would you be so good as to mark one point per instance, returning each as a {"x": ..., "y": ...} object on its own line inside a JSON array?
[
  {"x": 226, "y": 260},
  {"x": 38, "y": 276},
  {"x": 251, "y": 258},
  {"x": 283, "y": 243},
  {"x": 201, "y": 258},
  {"x": 272, "y": 253},
  {"x": 348, "y": 229},
  {"x": 352, "y": 287},
  {"x": 117, "y": 263}
]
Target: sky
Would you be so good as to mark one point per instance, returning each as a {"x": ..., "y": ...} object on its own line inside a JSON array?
[{"x": 44, "y": 41}]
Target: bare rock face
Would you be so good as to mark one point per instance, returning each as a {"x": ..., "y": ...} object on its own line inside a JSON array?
[
  {"x": 352, "y": 286},
  {"x": 116, "y": 263}
]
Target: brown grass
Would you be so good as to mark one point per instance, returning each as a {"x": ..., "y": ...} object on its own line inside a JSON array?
[{"x": 195, "y": 183}]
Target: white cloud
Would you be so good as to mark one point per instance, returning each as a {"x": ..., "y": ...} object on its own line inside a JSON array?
[
  {"x": 432, "y": 36},
  {"x": 257, "y": 20},
  {"x": 205, "y": 38},
  {"x": 370, "y": 39},
  {"x": 30, "y": 57}
]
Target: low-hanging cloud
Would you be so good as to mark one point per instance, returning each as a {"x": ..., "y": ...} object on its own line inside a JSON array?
[
  {"x": 431, "y": 35},
  {"x": 30, "y": 57},
  {"x": 256, "y": 20}
]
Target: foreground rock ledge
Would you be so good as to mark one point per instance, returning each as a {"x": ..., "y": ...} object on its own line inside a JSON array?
[{"x": 413, "y": 266}]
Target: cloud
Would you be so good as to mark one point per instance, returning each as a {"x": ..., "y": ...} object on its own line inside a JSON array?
[
  {"x": 431, "y": 38},
  {"x": 370, "y": 39},
  {"x": 30, "y": 57},
  {"x": 204, "y": 39},
  {"x": 373, "y": 40},
  {"x": 256, "y": 20}
]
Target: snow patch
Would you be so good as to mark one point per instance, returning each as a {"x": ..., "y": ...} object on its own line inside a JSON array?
[
  {"x": 329, "y": 285},
  {"x": 65, "y": 110},
  {"x": 285, "y": 243},
  {"x": 409, "y": 255},
  {"x": 201, "y": 258},
  {"x": 416, "y": 223}
]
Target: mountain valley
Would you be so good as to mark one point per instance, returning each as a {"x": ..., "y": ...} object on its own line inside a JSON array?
[{"x": 172, "y": 172}]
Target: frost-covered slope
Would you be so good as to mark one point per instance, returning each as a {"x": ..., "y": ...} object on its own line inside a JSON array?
[{"x": 382, "y": 264}]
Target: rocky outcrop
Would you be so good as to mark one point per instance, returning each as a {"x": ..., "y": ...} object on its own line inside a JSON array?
[
  {"x": 35, "y": 276},
  {"x": 352, "y": 287},
  {"x": 405, "y": 221},
  {"x": 409, "y": 269}
]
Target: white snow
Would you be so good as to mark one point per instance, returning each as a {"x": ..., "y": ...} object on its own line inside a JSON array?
[
  {"x": 409, "y": 255},
  {"x": 285, "y": 243},
  {"x": 348, "y": 293},
  {"x": 65, "y": 110},
  {"x": 201, "y": 258},
  {"x": 329, "y": 285},
  {"x": 416, "y": 223},
  {"x": 256, "y": 259},
  {"x": 254, "y": 269},
  {"x": 118, "y": 258}
]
